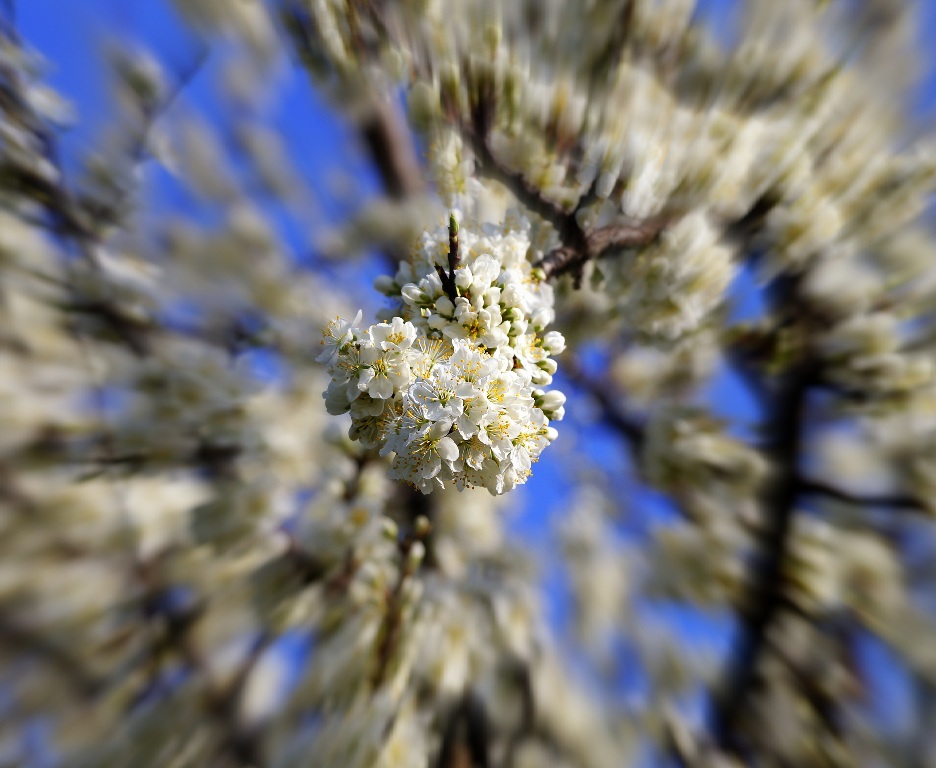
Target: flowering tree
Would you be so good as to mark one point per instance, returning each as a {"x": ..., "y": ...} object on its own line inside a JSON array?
[{"x": 618, "y": 198}]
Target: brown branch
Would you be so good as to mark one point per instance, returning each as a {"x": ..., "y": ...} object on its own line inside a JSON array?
[
  {"x": 383, "y": 128},
  {"x": 600, "y": 243},
  {"x": 135, "y": 333},
  {"x": 822, "y": 703},
  {"x": 240, "y": 743},
  {"x": 389, "y": 634},
  {"x": 527, "y": 193},
  {"x": 679, "y": 743},
  {"x": 785, "y": 406},
  {"x": 614, "y": 48},
  {"x": 390, "y": 145},
  {"x": 625, "y": 425},
  {"x": 466, "y": 740},
  {"x": 448, "y": 278},
  {"x": 895, "y": 501},
  {"x": 527, "y": 727},
  {"x": 222, "y": 699},
  {"x": 21, "y": 639},
  {"x": 578, "y": 245}
]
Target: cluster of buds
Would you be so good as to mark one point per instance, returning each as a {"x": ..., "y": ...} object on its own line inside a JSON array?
[{"x": 450, "y": 382}]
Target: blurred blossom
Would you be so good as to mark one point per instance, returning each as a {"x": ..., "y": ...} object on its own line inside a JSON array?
[{"x": 205, "y": 562}]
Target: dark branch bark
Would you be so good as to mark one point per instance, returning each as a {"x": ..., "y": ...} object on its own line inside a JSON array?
[
  {"x": 388, "y": 636},
  {"x": 785, "y": 402},
  {"x": 765, "y": 599},
  {"x": 466, "y": 738},
  {"x": 579, "y": 246},
  {"x": 390, "y": 146},
  {"x": 527, "y": 727},
  {"x": 895, "y": 501},
  {"x": 600, "y": 243},
  {"x": 628, "y": 427},
  {"x": 822, "y": 703},
  {"x": 21, "y": 639},
  {"x": 528, "y": 194},
  {"x": 615, "y": 47}
]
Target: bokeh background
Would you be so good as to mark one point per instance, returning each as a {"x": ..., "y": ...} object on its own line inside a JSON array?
[{"x": 309, "y": 174}]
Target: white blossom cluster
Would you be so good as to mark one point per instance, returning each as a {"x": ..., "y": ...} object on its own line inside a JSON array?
[
  {"x": 674, "y": 287},
  {"x": 451, "y": 384}
]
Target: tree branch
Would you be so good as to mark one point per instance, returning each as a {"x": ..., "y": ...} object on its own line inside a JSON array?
[
  {"x": 466, "y": 737},
  {"x": 21, "y": 639},
  {"x": 820, "y": 488},
  {"x": 579, "y": 246},
  {"x": 391, "y": 148},
  {"x": 628, "y": 427},
  {"x": 528, "y": 194},
  {"x": 527, "y": 727},
  {"x": 600, "y": 243},
  {"x": 785, "y": 403},
  {"x": 764, "y": 598}
]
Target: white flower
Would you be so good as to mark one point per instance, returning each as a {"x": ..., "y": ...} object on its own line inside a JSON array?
[
  {"x": 554, "y": 343},
  {"x": 422, "y": 455},
  {"x": 382, "y": 373},
  {"x": 337, "y": 335},
  {"x": 672, "y": 288},
  {"x": 436, "y": 397},
  {"x": 396, "y": 335}
]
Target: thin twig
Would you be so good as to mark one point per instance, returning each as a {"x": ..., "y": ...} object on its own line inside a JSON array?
[
  {"x": 612, "y": 415},
  {"x": 390, "y": 145},
  {"x": 895, "y": 501},
  {"x": 578, "y": 245}
]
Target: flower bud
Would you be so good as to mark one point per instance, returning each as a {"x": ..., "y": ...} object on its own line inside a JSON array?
[
  {"x": 518, "y": 327},
  {"x": 444, "y": 305},
  {"x": 548, "y": 365},
  {"x": 550, "y": 401},
  {"x": 554, "y": 342},
  {"x": 389, "y": 529},
  {"x": 511, "y": 296},
  {"x": 542, "y": 317},
  {"x": 412, "y": 293},
  {"x": 422, "y": 527},
  {"x": 415, "y": 556},
  {"x": 385, "y": 284}
]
